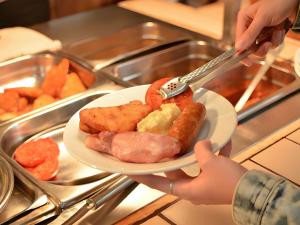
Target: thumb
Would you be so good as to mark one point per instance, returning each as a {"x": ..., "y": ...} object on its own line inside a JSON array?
[{"x": 203, "y": 152}]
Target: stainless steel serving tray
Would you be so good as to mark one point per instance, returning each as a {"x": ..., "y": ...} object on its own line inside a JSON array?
[
  {"x": 6, "y": 182},
  {"x": 74, "y": 181},
  {"x": 29, "y": 71},
  {"x": 25, "y": 198},
  {"x": 102, "y": 51},
  {"x": 183, "y": 58}
]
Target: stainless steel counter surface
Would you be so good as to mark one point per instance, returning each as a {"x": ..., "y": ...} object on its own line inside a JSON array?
[
  {"x": 99, "y": 22},
  {"x": 107, "y": 20}
]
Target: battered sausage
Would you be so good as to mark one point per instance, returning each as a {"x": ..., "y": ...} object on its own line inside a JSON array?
[{"x": 187, "y": 125}]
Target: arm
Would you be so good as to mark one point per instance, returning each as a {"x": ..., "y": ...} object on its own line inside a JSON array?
[
  {"x": 265, "y": 199},
  {"x": 257, "y": 198}
]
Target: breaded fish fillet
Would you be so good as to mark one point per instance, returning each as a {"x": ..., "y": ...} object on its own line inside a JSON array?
[{"x": 115, "y": 119}]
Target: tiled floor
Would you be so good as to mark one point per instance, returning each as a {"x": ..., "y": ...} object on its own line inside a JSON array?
[
  {"x": 295, "y": 136},
  {"x": 282, "y": 158},
  {"x": 155, "y": 221}
]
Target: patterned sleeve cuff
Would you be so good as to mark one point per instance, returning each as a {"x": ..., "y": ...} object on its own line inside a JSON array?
[{"x": 252, "y": 195}]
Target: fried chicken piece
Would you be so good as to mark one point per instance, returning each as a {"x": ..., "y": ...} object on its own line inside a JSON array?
[
  {"x": 72, "y": 86},
  {"x": 43, "y": 100},
  {"x": 28, "y": 92},
  {"x": 86, "y": 128},
  {"x": 115, "y": 119},
  {"x": 56, "y": 78}
]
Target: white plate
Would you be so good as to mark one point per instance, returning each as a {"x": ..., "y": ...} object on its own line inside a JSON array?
[{"x": 219, "y": 125}]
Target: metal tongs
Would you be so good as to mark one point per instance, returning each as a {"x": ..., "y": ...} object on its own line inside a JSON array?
[
  {"x": 215, "y": 67},
  {"x": 109, "y": 190}
]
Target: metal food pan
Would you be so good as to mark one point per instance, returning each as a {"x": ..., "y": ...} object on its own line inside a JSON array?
[
  {"x": 183, "y": 58},
  {"x": 99, "y": 51},
  {"x": 30, "y": 70},
  {"x": 25, "y": 197},
  {"x": 74, "y": 181}
]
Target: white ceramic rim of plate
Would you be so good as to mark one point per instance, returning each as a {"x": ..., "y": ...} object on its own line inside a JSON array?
[{"x": 220, "y": 111}]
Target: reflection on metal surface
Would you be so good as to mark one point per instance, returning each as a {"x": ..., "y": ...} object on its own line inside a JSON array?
[
  {"x": 103, "y": 51},
  {"x": 6, "y": 183},
  {"x": 25, "y": 197},
  {"x": 183, "y": 58},
  {"x": 270, "y": 58},
  {"x": 74, "y": 181},
  {"x": 112, "y": 189}
]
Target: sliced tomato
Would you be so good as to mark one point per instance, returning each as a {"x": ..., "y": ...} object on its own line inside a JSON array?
[
  {"x": 154, "y": 99},
  {"x": 46, "y": 170}
]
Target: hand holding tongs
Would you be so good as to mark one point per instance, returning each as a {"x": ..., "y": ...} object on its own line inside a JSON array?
[{"x": 212, "y": 69}]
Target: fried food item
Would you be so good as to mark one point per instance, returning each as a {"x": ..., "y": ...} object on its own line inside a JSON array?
[
  {"x": 84, "y": 127},
  {"x": 9, "y": 101},
  {"x": 27, "y": 109},
  {"x": 56, "y": 78},
  {"x": 28, "y": 92},
  {"x": 43, "y": 100},
  {"x": 87, "y": 78},
  {"x": 187, "y": 125},
  {"x": 115, "y": 119},
  {"x": 72, "y": 86},
  {"x": 22, "y": 104},
  {"x": 7, "y": 116}
]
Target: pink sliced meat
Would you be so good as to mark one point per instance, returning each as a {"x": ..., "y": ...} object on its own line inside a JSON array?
[
  {"x": 100, "y": 142},
  {"x": 135, "y": 147}
]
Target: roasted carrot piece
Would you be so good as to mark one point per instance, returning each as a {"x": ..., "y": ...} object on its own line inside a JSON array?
[
  {"x": 9, "y": 101},
  {"x": 56, "y": 78},
  {"x": 43, "y": 100},
  {"x": 72, "y": 86},
  {"x": 28, "y": 92}
]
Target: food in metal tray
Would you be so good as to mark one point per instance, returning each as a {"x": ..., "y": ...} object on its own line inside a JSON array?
[
  {"x": 59, "y": 83},
  {"x": 155, "y": 145},
  {"x": 39, "y": 157}
]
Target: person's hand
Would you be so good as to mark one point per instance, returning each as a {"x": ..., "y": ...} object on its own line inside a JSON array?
[
  {"x": 264, "y": 13},
  {"x": 214, "y": 185}
]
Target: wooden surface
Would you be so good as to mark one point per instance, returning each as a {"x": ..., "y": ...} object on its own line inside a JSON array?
[{"x": 206, "y": 19}]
